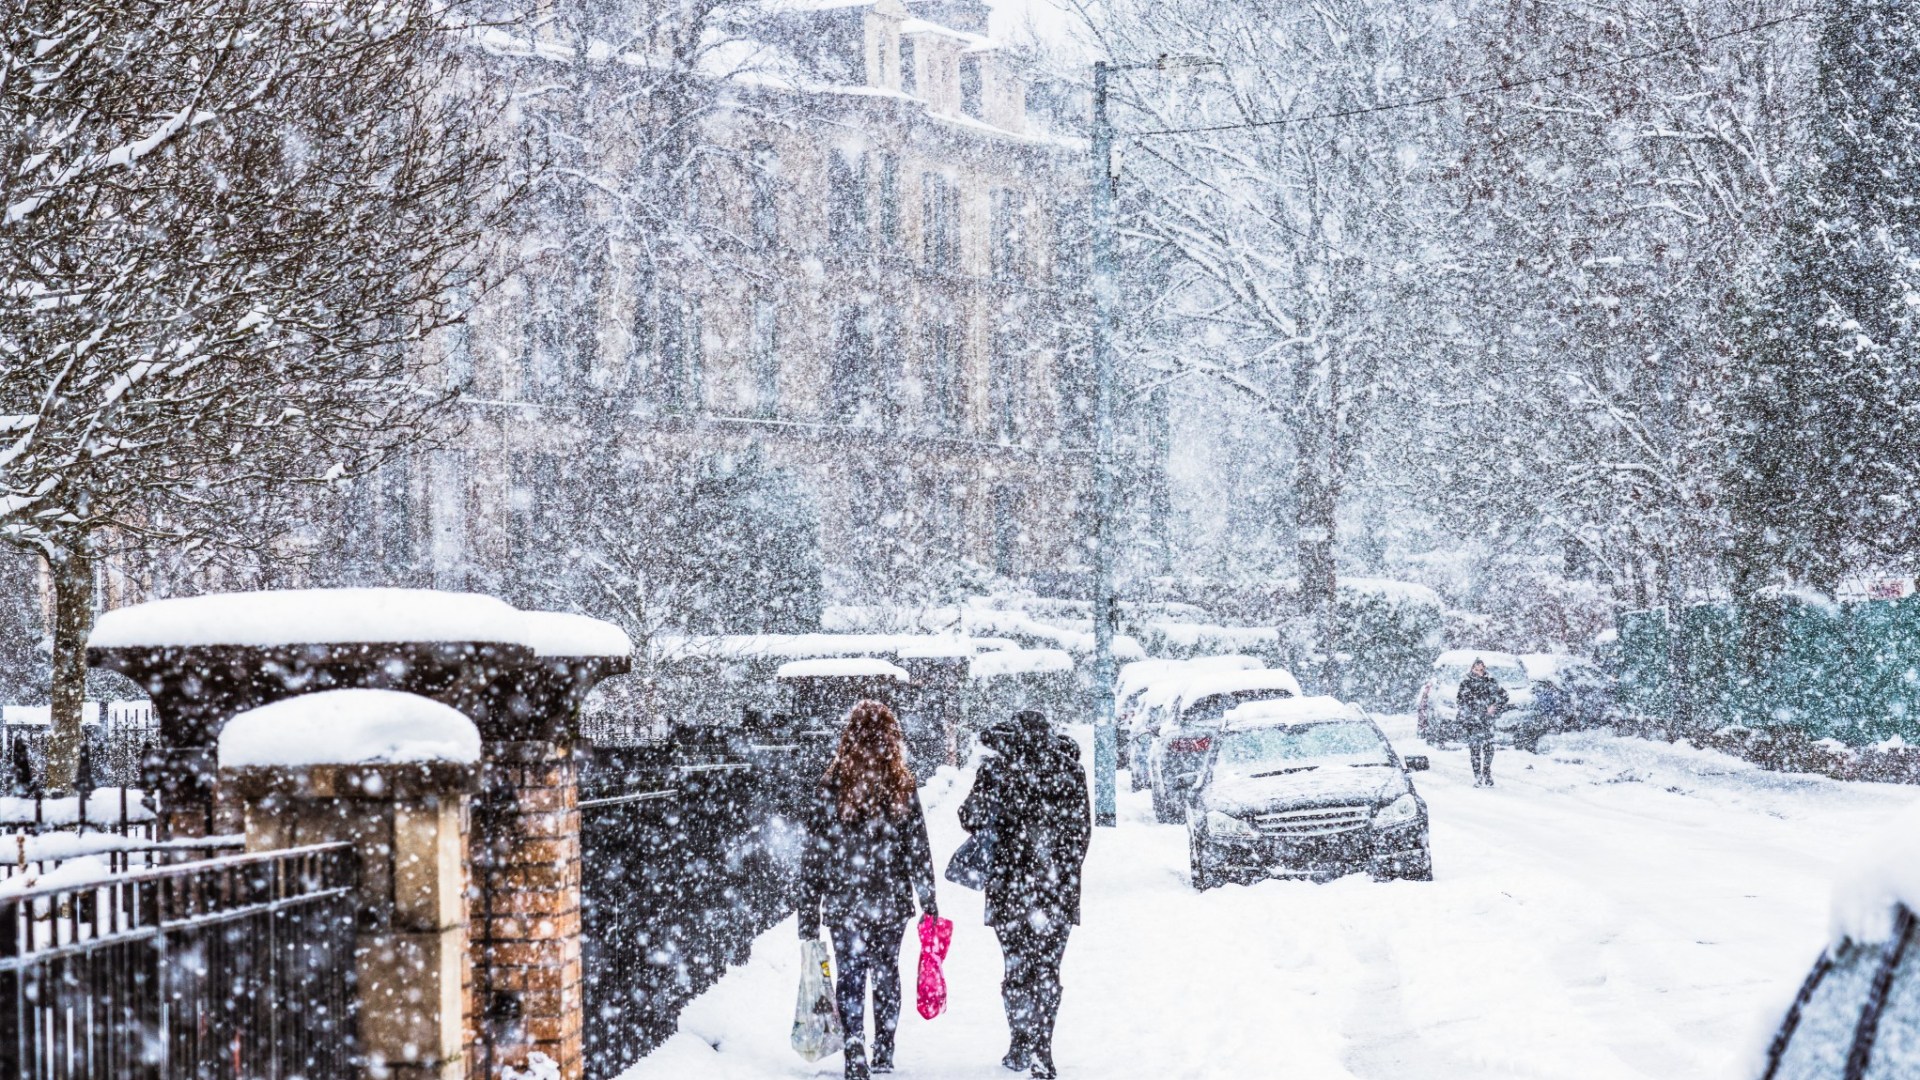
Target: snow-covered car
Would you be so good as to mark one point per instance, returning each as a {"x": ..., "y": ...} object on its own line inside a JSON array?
[
  {"x": 1857, "y": 1015},
  {"x": 1569, "y": 693},
  {"x": 1137, "y": 679},
  {"x": 1306, "y": 788},
  {"x": 1437, "y": 713},
  {"x": 1180, "y": 747}
]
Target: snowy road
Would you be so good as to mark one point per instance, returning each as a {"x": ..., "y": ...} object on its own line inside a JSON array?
[{"x": 1615, "y": 908}]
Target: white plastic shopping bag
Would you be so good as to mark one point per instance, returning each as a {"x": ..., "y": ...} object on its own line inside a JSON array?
[{"x": 816, "y": 1021}]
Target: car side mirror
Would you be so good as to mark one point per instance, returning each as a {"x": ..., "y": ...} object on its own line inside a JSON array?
[{"x": 1418, "y": 763}]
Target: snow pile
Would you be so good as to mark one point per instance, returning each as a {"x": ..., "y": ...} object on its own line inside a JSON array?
[
  {"x": 842, "y": 667},
  {"x": 1883, "y": 877},
  {"x": 1019, "y": 662},
  {"x": 349, "y": 727}
]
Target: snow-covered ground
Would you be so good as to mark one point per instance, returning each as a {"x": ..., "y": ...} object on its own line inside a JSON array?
[{"x": 1614, "y": 908}]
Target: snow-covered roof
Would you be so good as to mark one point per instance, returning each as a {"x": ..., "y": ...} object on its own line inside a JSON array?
[
  {"x": 805, "y": 646},
  {"x": 349, "y": 727},
  {"x": 1550, "y": 665},
  {"x": 842, "y": 667},
  {"x": 1275, "y": 712},
  {"x": 1019, "y": 662},
  {"x": 310, "y": 616},
  {"x": 1235, "y": 682},
  {"x": 1884, "y": 876},
  {"x": 1401, "y": 592}
]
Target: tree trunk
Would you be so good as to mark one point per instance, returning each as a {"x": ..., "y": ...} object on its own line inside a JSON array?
[
  {"x": 72, "y": 620},
  {"x": 1317, "y": 580},
  {"x": 1679, "y": 679}
]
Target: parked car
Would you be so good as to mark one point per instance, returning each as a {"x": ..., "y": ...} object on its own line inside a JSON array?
[
  {"x": 1306, "y": 788},
  {"x": 1857, "y": 1015},
  {"x": 1138, "y": 678},
  {"x": 1186, "y": 727},
  {"x": 1570, "y": 693},
  {"x": 1436, "y": 714}
]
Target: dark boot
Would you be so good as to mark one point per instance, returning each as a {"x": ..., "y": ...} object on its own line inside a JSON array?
[
  {"x": 856, "y": 1062},
  {"x": 882, "y": 1052},
  {"x": 1018, "y": 1055},
  {"x": 1043, "y": 1064}
]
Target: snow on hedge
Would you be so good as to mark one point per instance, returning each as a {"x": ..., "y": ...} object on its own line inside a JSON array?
[
  {"x": 349, "y": 727},
  {"x": 842, "y": 667},
  {"x": 810, "y": 646},
  {"x": 1019, "y": 662},
  {"x": 1883, "y": 876},
  {"x": 353, "y": 616}
]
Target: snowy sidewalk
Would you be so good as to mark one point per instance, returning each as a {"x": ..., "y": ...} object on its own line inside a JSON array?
[{"x": 1615, "y": 908}]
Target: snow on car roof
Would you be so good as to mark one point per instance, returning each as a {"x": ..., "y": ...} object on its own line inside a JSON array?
[
  {"x": 1461, "y": 658},
  {"x": 1277, "y": 712},
  {"x": 349, "y": 727},
  {"x": 1883, "y": 877},
  {"x": 842, "y": 667},
  {"x": 1143, "y": 674},
  {"x": 1549, "y": 665},
  {"x": 1233, "y": 682}
]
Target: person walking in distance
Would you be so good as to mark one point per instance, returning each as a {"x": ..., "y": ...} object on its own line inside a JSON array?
[
  {"x": 865, "y": 860},
  {"x": 1479, "y": 700},
  {"x": 1032, "y": 793}
]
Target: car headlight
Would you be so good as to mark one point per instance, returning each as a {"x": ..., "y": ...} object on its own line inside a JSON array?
[
  {"x": 1404, "y": 810},
  {"x": 1226, "y": 825}
]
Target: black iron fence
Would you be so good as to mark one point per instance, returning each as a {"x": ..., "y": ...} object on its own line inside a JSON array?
[
  {"x": 235, "y": 967},
  {"x": 688, "y": 853}
]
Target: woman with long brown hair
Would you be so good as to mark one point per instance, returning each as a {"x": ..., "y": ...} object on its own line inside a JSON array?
[{"x": 866, "y": 859}]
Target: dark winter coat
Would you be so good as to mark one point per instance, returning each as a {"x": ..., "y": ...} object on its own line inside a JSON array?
[
  {"x": 866, "y": 872},
  {"x": 1032, "y": 792},
  {"x": 1477, "y": 694}
]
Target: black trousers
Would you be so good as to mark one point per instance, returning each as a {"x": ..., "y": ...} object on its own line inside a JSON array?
[
  {"x": 1031, "y": 986},
  {"x": 867, "y": 951},
  {"x": 1480, "y": 749}
]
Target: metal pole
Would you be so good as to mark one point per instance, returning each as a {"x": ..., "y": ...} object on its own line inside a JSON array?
[{"x": 1105, "y": 739}]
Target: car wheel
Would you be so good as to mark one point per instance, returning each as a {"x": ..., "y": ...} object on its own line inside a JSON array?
[
  {"x": 1204, "y": 877},
  {"x": 1422, "y": 870}
]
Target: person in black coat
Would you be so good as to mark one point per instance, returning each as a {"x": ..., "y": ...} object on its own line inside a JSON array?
[
  {"x": 865, "y": 861},
  {"x": 1032, "y": 794},
  {"x": 1479, "y": 700}
]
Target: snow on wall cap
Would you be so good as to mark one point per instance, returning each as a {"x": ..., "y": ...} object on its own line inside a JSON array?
[
  {"x": 1296, "y": 710},
  {"x": 1881, "y": 878},
  {"x": 349, "y": 727},
  {"x": 1019, "y": 662},
  {"x": 842, "y": 667},
  {"x": 310, "y": 616},
  {"x": 559, "y": 633}
]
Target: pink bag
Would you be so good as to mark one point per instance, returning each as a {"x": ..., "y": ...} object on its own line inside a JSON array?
[{"x": 936, "y": 934}]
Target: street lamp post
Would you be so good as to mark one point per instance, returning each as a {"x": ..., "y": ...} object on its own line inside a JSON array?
[{"x": 1105, "y": 608}]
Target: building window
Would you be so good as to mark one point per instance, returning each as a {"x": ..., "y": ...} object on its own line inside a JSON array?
[
  {"x": 852, "y": 374},
  {"x": 681, "y": 357},
  {"x": 1008, "y": 216},
  {"x": 1006, "y": 531},
  {"x": 970, "y": 87},
  {"x": 1005, "y": 382},
  {"x": 939, "y": 221},
  {"x": 909, "y": 70},
  {"x": 846, "y": 200},
  {"x": 766, "y": 356},
  {"x": 765, "y": 182},
  {"x": 888, "y": 167},
  {"x": 943, "y": 377}
]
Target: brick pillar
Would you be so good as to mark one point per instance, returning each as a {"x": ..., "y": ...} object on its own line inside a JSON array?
[
  {"x": 408, "y": 825},
  {"x": 527, "y": 992}
]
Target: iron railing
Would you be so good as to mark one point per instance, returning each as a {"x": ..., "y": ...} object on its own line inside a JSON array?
[{"x": 238, "y": 967}]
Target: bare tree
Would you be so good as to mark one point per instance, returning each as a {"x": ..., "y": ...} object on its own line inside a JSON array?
[{"x": 227, "y": 224}]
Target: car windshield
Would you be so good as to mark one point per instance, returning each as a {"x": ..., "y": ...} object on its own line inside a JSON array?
[
  {"x": 1302, "y": 746},
  {"x": 1504, "y": 674}
]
